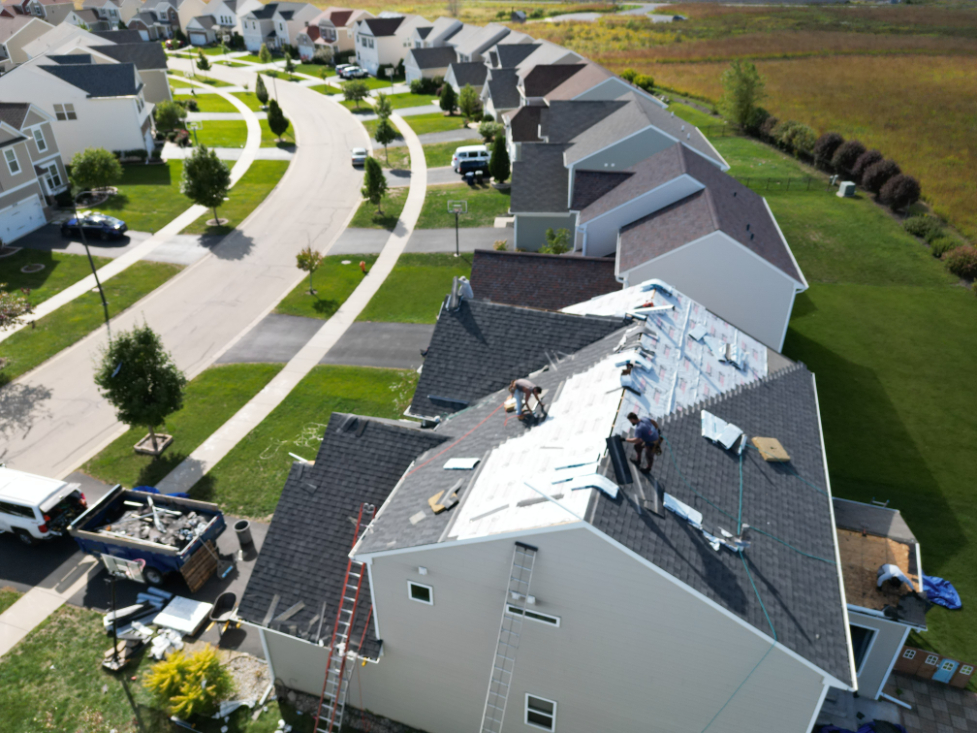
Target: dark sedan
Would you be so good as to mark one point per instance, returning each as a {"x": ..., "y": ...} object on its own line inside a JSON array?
[{"x": 95, "y": 226}]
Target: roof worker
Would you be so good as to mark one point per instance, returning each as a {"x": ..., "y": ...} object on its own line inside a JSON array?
[
  {"x": 647, "y": 439},
  {"x": 522, "y": 390}
]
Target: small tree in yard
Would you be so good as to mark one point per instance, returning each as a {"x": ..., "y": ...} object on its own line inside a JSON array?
[
  {"x": 824, "y": 149},
  {"x": 206, "y": 179},
  {"x": 289, "y": 65},
  {"x": 309, "y": 260},
  {"x": 260, "y": 91},
  {"x": 202, "y": 63},
  {"x": 140, "y": 380},
  {"x": 878, "y": 174},
  {"x": 468, "y": 102},
  {"x": 743, "y": 90},
  {"x": 169, "y": 115},
  {"x": 499, "y": 166},
  {"x": 557, "y": 242},
  {"x": 381, "y": 106},
  {"x": 900, "y": 192},
  {"x": 95, "y": 168},
  {"x": 356, "y": 92},
  {"x": 264, "y": 55},
  {"x": 277, "y": 121},
  {"x": 385, "y": 135},
  {"x": 374, "y": 183},
  {"x": 845, "y": 157},
  {"x": 448, "y": 99},
  {"x": 865, "y": 161},
  {"x": 187, "y": 685}
]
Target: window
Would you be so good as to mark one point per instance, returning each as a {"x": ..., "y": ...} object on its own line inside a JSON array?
[
  {"x": 540, "y": 712},
  {"x": 909, "y": 654},
  {"x": 948, "y": 666},
  {"x": 861, "y": 643},
  {"x": 532, "y": 615},
  {"x": 52, "y": 177},
  {"x": 65, "y": 112},
  {"x": 39, "y": 139},
  {"x": 932, "y": 659},
  {"x": 16, "y": 510},
  {"x": 420, "y": 593},
  {"x": 371, "y": 43},
  {"x": 12, "y": 163},
  {"x": 139, "y": 104},
  {"x": 966, "y": 670}
]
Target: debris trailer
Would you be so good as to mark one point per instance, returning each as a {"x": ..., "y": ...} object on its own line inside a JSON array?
[{"x": 161, "y": 534}]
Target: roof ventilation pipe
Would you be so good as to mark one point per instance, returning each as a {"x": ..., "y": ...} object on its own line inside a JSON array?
[{"x": 454, "y": 300}]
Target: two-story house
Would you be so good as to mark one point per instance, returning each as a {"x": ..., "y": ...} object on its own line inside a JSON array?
[
  {"x": 31, "y": 171},
  {"x": 276, "y": 24},
  {"x": 52, "y": 11},
  {"x": 16, "y": 32},
  {"x": 336, "y": 29},
  {"x": 227, "y": 15},
  {"x": 435, "y": 35},
  {"x": 114, "y": 11},
  {"x": 385, "y": 41}
]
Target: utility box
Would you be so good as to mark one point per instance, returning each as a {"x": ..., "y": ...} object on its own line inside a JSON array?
[{"x": 846, "y": 189}]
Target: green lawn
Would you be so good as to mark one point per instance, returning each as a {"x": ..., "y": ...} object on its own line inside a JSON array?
[
  {"x": 371, "y": 130},
  {"x": 406, "y": 99},
  {"x": 53, "y": 680},
  {"x": 394, "y": 157},
  {"x": 314, "y": 70},
  {"x": 8, "y": 597},
  {"x": 484, "y": 204},
  {"x": 438, "y": 155},
  {"x": 362, "y": 108},
  {"x": 211, "y": 399},
  {"x": 254, "y": 57},
  {"x": 208, "y": 103},
  {"x": 366, "y": 216},
  {"x": 249, "y": 479},
  {"x": 414, "y": 290},
  {"x": 233, "y": 64},
  {"x": 249, "y": 99},
  {"x": 270, "y": 140},
  {"x": 244, "y": 197},
  {"x": 211, "y": 81},
  {"x": 333, "y": 282},
  {"x": 372, "y": 83},
  {"x": 60, "y": 271},
  {"x": 327, "y": 89},
  {"x": 435, "y": 122},
  {"x": 73, "y": 321},
  {"x": 222, "y": 133},
  {"x": 149, "y": 196}
]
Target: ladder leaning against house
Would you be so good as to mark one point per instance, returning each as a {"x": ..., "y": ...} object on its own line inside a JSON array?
[
  {"x": 517, "y": 595},
  {"x": 332, "y": 702}
]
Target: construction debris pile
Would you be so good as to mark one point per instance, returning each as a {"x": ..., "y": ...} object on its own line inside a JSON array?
[{"x": 157, "y": 524}]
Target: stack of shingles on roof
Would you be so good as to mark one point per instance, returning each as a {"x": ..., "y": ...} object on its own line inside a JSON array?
[
  {"x": 799, "y": 588},
  {"x": 304, "y": 556},
  {"x": 480, "y": 347}
]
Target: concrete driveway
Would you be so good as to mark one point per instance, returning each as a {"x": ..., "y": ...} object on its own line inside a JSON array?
[
  {"x": 390, "y": 345},
  {"x": 48, "y": 238}
]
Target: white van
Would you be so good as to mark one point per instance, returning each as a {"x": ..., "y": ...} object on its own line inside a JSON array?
[
  {"x": 469, "y": 152},
  {"x": 37, "y": 508}
]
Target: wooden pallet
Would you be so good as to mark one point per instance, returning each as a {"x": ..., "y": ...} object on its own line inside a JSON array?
[{"x": 201, "y": 565}]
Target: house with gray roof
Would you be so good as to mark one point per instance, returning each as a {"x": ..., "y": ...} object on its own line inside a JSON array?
[
  {"x": 428, "y": 63},
  {"x": 437, "y": 34},
  {"x": 524, "y": 573},
  {"x": 275, "y": 24},
  {"x": 385, "y": 41},
  {"x": 471, "y": 49},
  {"x": 465, "y": 73},
  {"x": 149, "y": 60},
  {"x": 500, "y": 93}
]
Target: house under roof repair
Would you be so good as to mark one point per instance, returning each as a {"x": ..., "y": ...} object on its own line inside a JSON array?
[{"x": 526, "y": 574}]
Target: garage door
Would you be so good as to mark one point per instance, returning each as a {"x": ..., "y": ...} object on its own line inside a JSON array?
[
  {"x": 21, "y": 219},
  {"x": 198, "y": 39}
]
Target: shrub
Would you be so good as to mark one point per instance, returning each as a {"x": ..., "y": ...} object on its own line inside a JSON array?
[
  {"x": 768, "y": 127},
  {"x": 941, "y": 245},
  {"x": 878, "y": 174},
  {"x": 756, "y": 120},
  {"x": 865, "y": 161},
  {"x": 499, "y": 164},
  {"x": 795, "y": 137},
  {"x": 237, "y": 41},
  {"x": 501, "y": 245},
  {"x": 628, "y": 75},
  {"x": 426, "y": 86},
  {"x": 169, "y": 116},
  {"x": 489, "y": 130},
  {"x": 557, "y": 242},
  {"x": 136, "y": 153},
  {"x": 824, "y": 149},
  {"x": 95, "y": 168},
  {"x": 900, "y": 192},
  {"x": 962, "y": 262},
  {"x": 488, "y": 118},
  {"x": 924, "y": 227},
  {"x": 643, "y": 81},
  {"x": 190, "y": 685},
  {"x": 845, "y": 156},
  {"x": 322, "y": 55}
]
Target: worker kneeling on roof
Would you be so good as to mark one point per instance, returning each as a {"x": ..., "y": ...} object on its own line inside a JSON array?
[
  {"x": 522, "y": 390},
  {"x": 647, "y": 439}
]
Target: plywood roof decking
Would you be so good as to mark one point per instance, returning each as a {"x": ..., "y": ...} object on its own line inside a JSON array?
[{"x": 861, "y": 557}]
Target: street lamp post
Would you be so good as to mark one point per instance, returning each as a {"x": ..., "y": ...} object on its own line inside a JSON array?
[{"x": 91, "y": 262}]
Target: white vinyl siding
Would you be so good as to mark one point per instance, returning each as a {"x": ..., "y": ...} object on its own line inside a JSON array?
[{"x": 420, "y": 593}]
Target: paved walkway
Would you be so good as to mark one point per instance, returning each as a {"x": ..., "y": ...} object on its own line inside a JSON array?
[
  {"x": 937, "y": 708},
  {"x": 370, "y": 241},
  {"x": 435, "y": 176}
]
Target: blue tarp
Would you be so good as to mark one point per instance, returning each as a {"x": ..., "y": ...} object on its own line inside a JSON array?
[
  {"x": 867, "y": 728},
  {"x": 154, "y": 490},
  {"x": 941, "y": 592}
]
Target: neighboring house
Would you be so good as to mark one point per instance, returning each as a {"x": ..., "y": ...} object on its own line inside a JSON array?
[
  {"x": 276, "y": 24},
  {"x": 148, "y": 27},
  {"x": 60, "y": 37},
  {"x": 462, "y": 74},
  {"x": 31, "y": 172},
  {"x": 437, "y": 34},
  {"x": 509, "y": 55},
  {"x": 164, "y": 14},
  {"x": 17, "y": 32},
  {"x": 337, "y": 28},
  {"x": 547, "y": 53},
  {"x": 517, "y": 16},
  {"x": 428, "y": 62},
  {"x": 113, "y": 11},
  {"x": 385, "y": 41},
  {"x": 52, "y": 11},
  {"x": 500, "y": 93},
  {"x": 202, "y": 30},
  {"x": 150, "y": 61},
  {"x": 684, "y": 616},
  {"x": 472, "y": 48},
  {"x": 308, "y": 41},
  {"x": 228, "y": 13},
  {"x": 93, "y": 104}
]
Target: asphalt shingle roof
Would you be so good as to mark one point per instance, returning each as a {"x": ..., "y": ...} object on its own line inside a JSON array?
[
  {"x": 543, "y": 79},
  {"x": 802, "y": 595},
  {"x": 72, "y": 58},
  {"x": 383, "y": 26},
  {"x": 503, "y": 88},
  {"x": 439, "y": 57},
  {"x": 590, "y": 186},
  {"x": 509, "y": 55},
  {"x": 143, "y": 55},
  {"x": 524, "y": 124},
  {"x": 480, "y": 347},
  {"x": 540, "y": 180},
  {"x": 562, "y": 121},
  {"x": 14, "y": 113},
  {"x": 305, "y": 552},
  {"x": 126, "y": 37},
  {"x": 469, "y": 72},
  {"x": 99, "y": 80}
]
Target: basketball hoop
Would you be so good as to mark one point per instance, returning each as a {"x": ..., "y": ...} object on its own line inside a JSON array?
[{"x": 457, "y": 207}]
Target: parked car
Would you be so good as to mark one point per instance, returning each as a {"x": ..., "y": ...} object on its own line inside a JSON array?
[
  {"x": 340, "y": 68},
  {"x": 473, "y": 165},
  {"x": 469, "y": 152},
  {"x": 37, "y": 508},
  {"x": 95, "y": 225},
  {"x": 354, "y": 72},
  {"x": 359, "y": 156}
]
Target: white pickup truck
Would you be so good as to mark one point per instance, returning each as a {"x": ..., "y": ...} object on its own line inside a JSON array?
[{"x": 36, "y": 508}]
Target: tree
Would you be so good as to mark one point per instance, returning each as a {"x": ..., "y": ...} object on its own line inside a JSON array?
[
  {"x": 95, "y": 168},
  {"x": 490, "y": 130},
  {"x": 12, "y": 307},
  {"x": 743, "y": 90},
  {"x": 878, "y": 174},
  {"x": 962, "y": 261},
  {"x": 824, "y": 149},
  {"x": 289, "y": 64},
  {"x": 468, "y": 102},
  {"x": 309, "y": 260},
  {"x": 264, "y": 55},
  {"x": 202, "y": 63},
  {"x": 374, "y": 183},
  {"x": 206, "y": 179},
  {"x": 381, "y": 105},
  {"x": 643, "y": 81},
  {"x": 499, "y": 166},
  {"x": 122, "y": 26},
  {"x": 448, "y": 99},
  {"x": 865, "y": 161},
  {"x": 277, "y": 121},
  {"x": 190, "y": 685},
  {"x": 557, "y": 242},
  {"x": 355, "y": 91},
  {"x": 260, "y": 91},
  {"x": 169, "y": 115},
  {"x": 322, "y": 55},
  {"x": 139, "y": 379},
  {"x": 900, "y": 192},
  {"x": 628, "y": 75},
  {"x": 845, "y": 156},
  {"x": 385, "y": 135}
]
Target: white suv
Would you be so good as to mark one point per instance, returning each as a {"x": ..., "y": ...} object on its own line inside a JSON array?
[
  {"x": 473, "y": 153},
  {"x": 37, "y": 508}
]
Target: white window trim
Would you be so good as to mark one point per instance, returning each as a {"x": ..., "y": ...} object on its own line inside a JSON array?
[
  {"x": 430, "y": 590},
  {"x": 552, "y": 728},
  {"x": 871, "y": 643},
  {"x": 532, "y": 615},
  {"x": 38, "y": 135},
  {"x": 7, "y": 155}
]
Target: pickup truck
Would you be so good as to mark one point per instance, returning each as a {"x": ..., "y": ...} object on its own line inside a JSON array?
[{"x": 162, "y": 534}]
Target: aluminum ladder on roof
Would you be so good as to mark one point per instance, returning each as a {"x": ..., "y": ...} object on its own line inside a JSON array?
[
  {"x": 523, "y": 560},
  {"x": 332, "y": 702}
]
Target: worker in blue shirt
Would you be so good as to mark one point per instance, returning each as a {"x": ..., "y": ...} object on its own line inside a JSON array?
[{"x": 647, "y": 439}]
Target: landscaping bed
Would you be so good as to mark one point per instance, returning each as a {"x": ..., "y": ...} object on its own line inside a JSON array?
[
  {"x": 334, "y": 282},
  {"x": 414, "y": 290}
]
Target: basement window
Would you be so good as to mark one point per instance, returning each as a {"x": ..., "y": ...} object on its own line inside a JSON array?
[
  {"x": 540, "y": 712},
  {"x": 532, "y": 615},
  {"x": 420, "y": 593}
]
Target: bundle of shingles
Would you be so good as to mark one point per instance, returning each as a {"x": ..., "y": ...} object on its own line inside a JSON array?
[{"x": 159, "y": 525}]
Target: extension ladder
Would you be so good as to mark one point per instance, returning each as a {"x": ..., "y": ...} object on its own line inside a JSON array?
[
  {"x": 513, "y": 610},
  {"x": 332, "y": 702}
]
